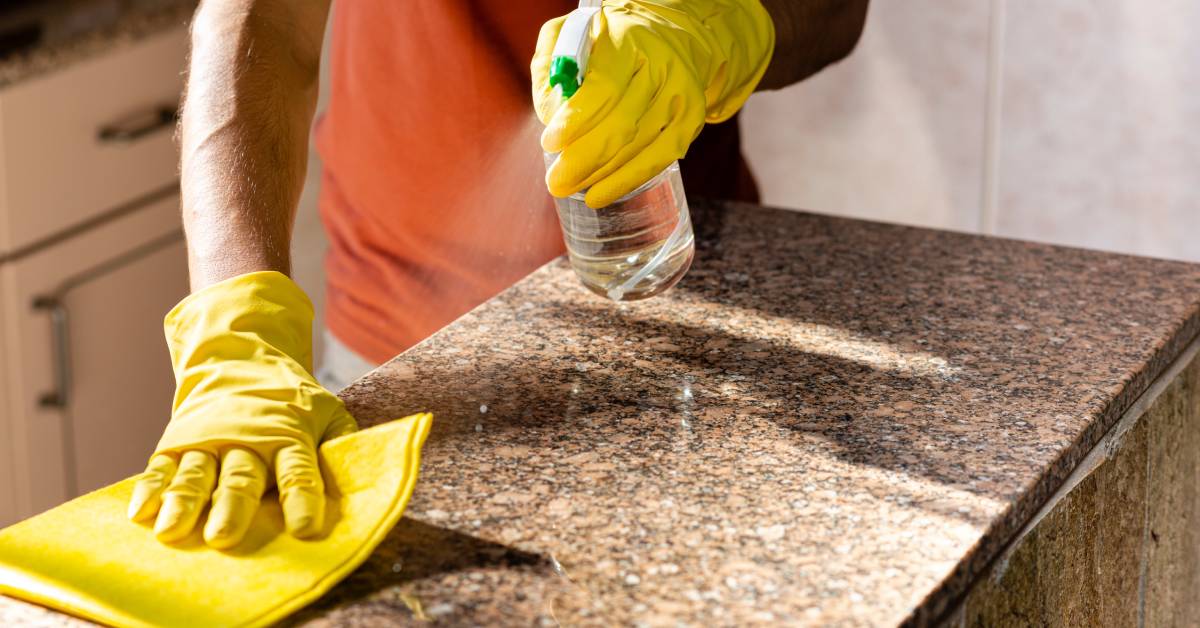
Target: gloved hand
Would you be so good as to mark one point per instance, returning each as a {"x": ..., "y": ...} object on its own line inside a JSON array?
[
  {"x": 658, "y": 70},
  {"x": 246, "y": 404}
]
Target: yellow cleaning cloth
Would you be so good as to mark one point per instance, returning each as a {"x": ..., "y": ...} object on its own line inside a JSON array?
[{"x": 86, "y": 558}]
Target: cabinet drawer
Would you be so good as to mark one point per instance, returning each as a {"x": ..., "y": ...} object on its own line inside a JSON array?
[
  {"x": 79, "y": 142},
  {"x": 88, "y": 375}
]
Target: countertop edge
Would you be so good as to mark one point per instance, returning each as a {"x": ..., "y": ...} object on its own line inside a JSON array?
[
  {"x": 936, "y": 608},
  {"x": 942, "y": 600}
]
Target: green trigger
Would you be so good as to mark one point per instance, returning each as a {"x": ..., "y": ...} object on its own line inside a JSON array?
[{"x": 564, "y": 74}]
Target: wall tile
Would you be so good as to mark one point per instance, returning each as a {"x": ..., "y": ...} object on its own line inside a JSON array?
[
  {"x": 1100, "y": 112},
  {"x": 894, "y": 132}
]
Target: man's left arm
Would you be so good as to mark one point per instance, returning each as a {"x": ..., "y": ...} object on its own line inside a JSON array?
[
  {"x": 810, "y": 35},
  {"x": 659, "y": 70}
]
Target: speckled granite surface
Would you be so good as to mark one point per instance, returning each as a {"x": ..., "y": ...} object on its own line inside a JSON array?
[
  {"x": 131, "y": 20},
  {"x": 827, "y": 422}
]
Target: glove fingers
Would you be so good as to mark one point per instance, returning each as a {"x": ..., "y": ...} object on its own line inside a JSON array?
[
  {"x": 240, "y": 488},
  {"x": 597, "y": 96},
  {"x": 669, "y": 145},
  {"x": 545, "y": 100},
  {"x": 186, "y": 496},
  {"x": 583, "y": 111},
  {"x": 301, "y": 490},
  {"x": 594, "y": 155},
  {"x": 147, "y": 493}
]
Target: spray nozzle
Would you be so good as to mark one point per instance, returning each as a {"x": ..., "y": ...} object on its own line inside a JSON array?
[
  {"x": 565, "y": 75},
  {"x": 569, "y": 59}
]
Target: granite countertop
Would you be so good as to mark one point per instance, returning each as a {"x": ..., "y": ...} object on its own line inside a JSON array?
[
  {"x": 93, "y": 28},
  {"x": 828, "y": 421}
]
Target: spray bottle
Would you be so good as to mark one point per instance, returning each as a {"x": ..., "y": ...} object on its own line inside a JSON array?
[{"x": 641, "y": 244}]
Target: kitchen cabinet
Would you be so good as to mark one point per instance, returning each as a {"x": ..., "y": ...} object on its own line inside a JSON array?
[
  {"x": 91, "y": 258},
  {"x": 78, "y": 144},
  {"x": 122, "y": 384},
  {"x": 84, "y": 322}
]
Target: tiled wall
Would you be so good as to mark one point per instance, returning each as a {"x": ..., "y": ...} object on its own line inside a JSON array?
[
  {"x": 895, "y": 132},
  {"x": 1067, "y": 121}
]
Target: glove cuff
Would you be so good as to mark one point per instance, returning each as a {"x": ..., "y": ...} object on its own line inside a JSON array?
[
  {"x": 733, "y": 41},
  {"x": 257, "y": 313},
  {"x": 744, "y": 32}
]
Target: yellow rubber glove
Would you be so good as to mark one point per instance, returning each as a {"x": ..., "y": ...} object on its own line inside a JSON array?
[
  {"x": 246, "y": 404},
  {"x": 658, "y": 70}
]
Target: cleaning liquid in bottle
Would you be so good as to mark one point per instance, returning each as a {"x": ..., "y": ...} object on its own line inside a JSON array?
[{"x": 641, "y": 244}]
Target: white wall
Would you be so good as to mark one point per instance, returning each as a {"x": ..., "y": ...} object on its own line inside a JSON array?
[
  {"x": 895, "y": 132},
  {"x": 1068, "y": 121}
]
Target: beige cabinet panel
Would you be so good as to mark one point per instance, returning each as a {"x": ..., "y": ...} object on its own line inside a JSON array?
[
  {"x": 8, "y": 505},
  {"x": 84, "y": 406},
  {"x": 121, "y": 384},
  {"x": 80, "y": 142}
]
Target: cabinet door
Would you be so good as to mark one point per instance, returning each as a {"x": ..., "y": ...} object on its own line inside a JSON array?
[
  {"x": 121, "y": 379},
  {"x": 90, "y": 380}
]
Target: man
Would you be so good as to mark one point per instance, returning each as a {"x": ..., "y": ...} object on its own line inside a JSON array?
[{"x": 430, "y": 195}]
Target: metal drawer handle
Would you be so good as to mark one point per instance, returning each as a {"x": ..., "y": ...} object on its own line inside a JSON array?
[
  {"x": 136, "y": 126},
  {"x": 60, "y": 397},
  {"x": 54, "y": 305}
]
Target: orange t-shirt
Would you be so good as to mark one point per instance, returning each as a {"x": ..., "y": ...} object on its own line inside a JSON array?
[{"x": 432, "y": 193}]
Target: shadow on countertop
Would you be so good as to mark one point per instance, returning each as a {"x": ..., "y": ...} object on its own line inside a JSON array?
[{"x": 965, "y": 376}]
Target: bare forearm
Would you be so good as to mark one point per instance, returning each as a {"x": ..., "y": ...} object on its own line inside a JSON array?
[
  {"x": 251, "y": 94},
  {"x": 809, "y": 35}
]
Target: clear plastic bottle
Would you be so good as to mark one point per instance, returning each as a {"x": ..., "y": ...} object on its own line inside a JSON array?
[{"x": 635, "y": 248}]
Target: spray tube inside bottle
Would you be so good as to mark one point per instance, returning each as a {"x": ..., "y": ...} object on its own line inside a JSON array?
[{"x": 642, "y": 243}]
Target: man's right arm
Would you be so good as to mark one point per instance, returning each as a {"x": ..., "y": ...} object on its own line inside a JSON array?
[
  {"x": 251, "y": 95},
  {"x": 247, "y": 411}
]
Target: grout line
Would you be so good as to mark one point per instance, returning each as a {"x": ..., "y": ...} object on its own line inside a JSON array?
[{"x": 989, "y": 193}]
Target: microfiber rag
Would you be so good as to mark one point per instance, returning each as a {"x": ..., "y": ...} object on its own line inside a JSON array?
[{"x": 85, "y": 558}]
